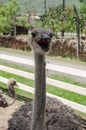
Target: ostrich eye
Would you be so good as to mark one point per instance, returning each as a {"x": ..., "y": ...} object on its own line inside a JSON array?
[
  {"x": 34, "y": 34},
  {"x": 14, "y": 82},
  {"x": 51, "y": 35}
]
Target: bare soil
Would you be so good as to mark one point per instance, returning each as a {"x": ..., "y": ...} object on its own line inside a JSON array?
[{"x": 6, "y": 114}]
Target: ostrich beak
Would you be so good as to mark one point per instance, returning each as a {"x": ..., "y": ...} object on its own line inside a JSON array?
[
  {"x": 17, "y": 85},
  {"x": 44, "y": 41},
  {"x": 45, "y": 36}
]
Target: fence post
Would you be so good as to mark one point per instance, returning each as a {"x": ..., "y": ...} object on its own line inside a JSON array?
[
  {"x": 77, "y": 31},
  {"x": 63, "y": 7},
  {"x": 78, "y": 35},
  {"x": 45, "y": 8}
]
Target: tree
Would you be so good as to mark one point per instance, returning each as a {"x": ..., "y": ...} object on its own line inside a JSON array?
[
  {"x": 82, "y": 1},
  {"x": 5, "y": 24},
  {"x": 23, "y": 21},
  {"x": 14, "y": 11},
  {"x": 1, "y": 2},
  {"x": 59, "y": 20},
  {"x": 83, "y": 17},
  {"x": 77, "y": 20},
  {"x": 83, "y": 8},
  {"x": 8, "y": 14}
]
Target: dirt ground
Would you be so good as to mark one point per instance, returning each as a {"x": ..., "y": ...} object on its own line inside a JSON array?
[{"x": 6, "y": 114}]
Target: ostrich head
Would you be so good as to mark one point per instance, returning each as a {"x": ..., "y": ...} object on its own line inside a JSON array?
[
  {"x": 41, "y": 39},
  {"x": 11, "y": 83},
  {"x": 3, "y": 101}
]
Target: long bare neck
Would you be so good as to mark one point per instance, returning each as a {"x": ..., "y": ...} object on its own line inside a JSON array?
[
  {"x": 40, "y": 79},
  {"x": 40, "y": 93}
]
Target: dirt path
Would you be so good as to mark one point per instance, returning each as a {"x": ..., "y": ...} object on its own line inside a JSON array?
[
  {"x": 6, "y": 114},
  {"x": 52, "y": 60}
]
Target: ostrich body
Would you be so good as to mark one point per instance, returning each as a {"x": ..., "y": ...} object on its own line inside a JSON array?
[
  {"x": 41, "y": 44},
  {"x": 3, "y": 101}
]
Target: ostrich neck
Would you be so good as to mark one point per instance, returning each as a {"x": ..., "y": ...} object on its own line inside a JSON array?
[
  {"x": 39, "y": 70},
  {"x": 40, "y": 93}
]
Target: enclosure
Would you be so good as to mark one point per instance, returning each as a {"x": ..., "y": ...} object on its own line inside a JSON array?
[{"x": 61, "y": 74}]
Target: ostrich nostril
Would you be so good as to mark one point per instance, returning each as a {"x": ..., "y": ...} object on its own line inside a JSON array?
[{"x": 45, "y": 36}]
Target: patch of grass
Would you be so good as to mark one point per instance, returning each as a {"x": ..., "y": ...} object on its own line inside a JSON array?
[
  {"x": 66, "y": 59},
  {"x": 20, "y": 79},
  {"x": 15, "y": 51},
  {"x": 67, "y": 80},
  {"x": 53, "y": 76},
  {"x": 18, "y": 91},
  {"x": 51, "y": 89},
  {"x": 17, "y": 66},
  {"x": 83, "y": 115},
  {"x": 67, "y": 94}
]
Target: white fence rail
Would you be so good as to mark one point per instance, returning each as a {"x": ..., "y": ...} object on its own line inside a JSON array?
[
  {"x": 56, "y": 83},
  {"x": 67, "y": 86},
  {"x": 74, "y": 105},
  {"x": 58, "y": 68}
]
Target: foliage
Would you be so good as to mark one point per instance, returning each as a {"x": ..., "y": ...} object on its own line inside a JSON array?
[
  {"x": 4, "y": 20},
  {"x": 8, "y": 14},
  {"x": 82, "y": 0},
  {"x": 58, "y": 19},
  {"x": 83, "y": 16},
  {"x": 14, "y": 8},
  {"x": 5, "y": 25},
  {"x": 23, "y": 21},
  {"x": 83, "y": 8}
]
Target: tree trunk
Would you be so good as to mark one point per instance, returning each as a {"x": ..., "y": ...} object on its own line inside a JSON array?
[
  {"x": 78, "y": 36},
  {"x": 40, "y": 93}
]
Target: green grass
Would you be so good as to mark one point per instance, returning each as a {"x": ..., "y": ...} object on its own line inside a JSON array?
[
  {"x": 18, "y": 78},
  {"x": 83, "y": 115},
  {"x": 17, "y": 66},
  {"x": 15, "y": 51},
  {"x": 18, "y": 91},
  {"x": 67, "y": 80},
  {"x": 53, "y": 76},
  {"x": 51, "y": 89},
  {"x": 67, "y": 94}
]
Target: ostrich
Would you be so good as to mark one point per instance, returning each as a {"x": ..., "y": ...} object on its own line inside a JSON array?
[
  {"x": 41, "y": 39},
  {"x": 3, "y": 101},
  {"x": 57, "y": 115}
]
